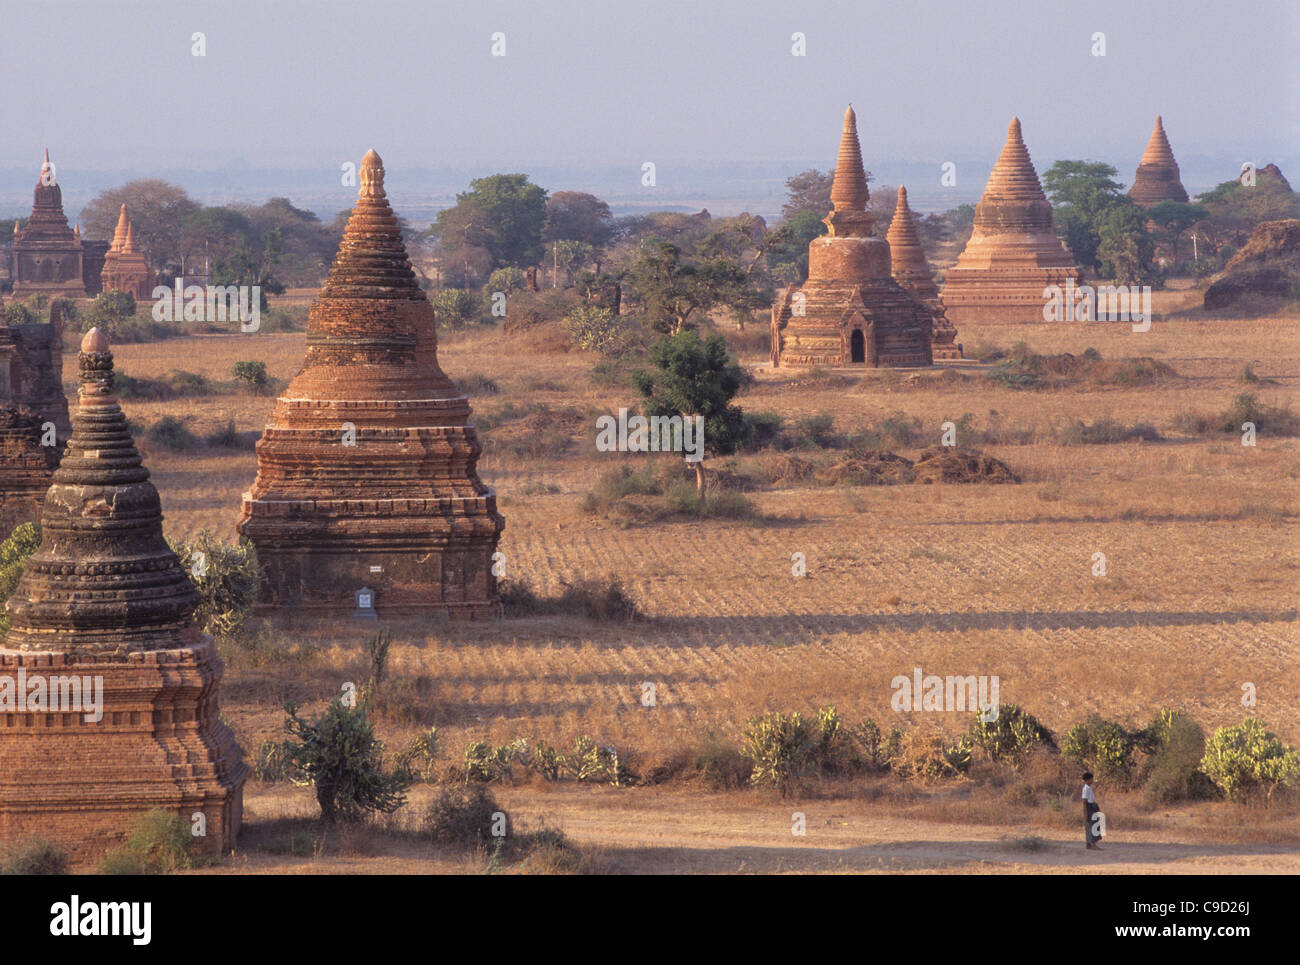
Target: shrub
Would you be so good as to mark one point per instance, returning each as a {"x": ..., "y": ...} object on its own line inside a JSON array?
[
  {"x": 507, "y": 279},
  {"x": 781, "y": 748},
  {"x": 160, "y": 843},
  {"x": 817, "y": 430},
  {"x": 228, "y": 437},
  {"x": 594, "y": 329},
  {"x": 875, "y": 750},
  {"x": 34, "y": 857},
  {"x": 1177, "y": 746},
  {"x": 1105, "y": 431},
  {"x": 721, "y": 766},
  {"x": 339, "y": 754},
  {"x": 1014, "y": 733},
  {"x": 172, "y": 432},
  {"x": 462, "y": 816},
  {"x": 227, "y": 577},
  {"x": 110, "y": 312},
  {"x": 68, "y": 310},
  {"x": 418, "y": 759},
  {"x": 603, "y": 600},
  {"x": 1104, "y": 747},
  {"x": 270, "y": 764},
  {"x": 547, "y": 761},
  {"x": 453, "y": 307},
  {"x": 14, "y": 554},
  {"x": 764, "y": 428},
  {"x": 591, "y": 762},
  {"x": 18, "y": 314},
  {"x": 1248, "y": 757},
  {"x": 473, "y": 385},
  {"x": 484, "y": 763},
  {"x": 252, "y": 375},
  {"x": 928, "y": 752}
]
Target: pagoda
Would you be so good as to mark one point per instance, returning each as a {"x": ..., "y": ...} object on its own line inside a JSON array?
[
  {"x": 1013, "y": 254},
  {"x": 1157, "y": 177},
  {"x": 47, "y": 254},
  {"x": 366, "y": 498},
  {"x": 125, "y": 266},
  {"x": 911, "y": 270},
  {"x": 850, "y": 310},
  {"x": 116, "y": 711}
]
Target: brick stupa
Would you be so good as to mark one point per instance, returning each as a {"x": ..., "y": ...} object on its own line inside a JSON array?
[
  {"x": 366, "y": 474},
  {"x": 33, "y": 416},
  {"x": 105, "y": 599},
  {"x": 47, "y": 253},
  {"x": 1013, "y": 253},
  {"x": 850, "y": 310},
  {"x": 1157, "y": 177},
  {"x": 125, "y": 266},
  {"x": 910, "y": 269}
]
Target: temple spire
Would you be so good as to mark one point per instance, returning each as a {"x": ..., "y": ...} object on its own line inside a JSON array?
[
  {"x": 849, "y": 187},
  {"x": 1157, "y": 178},
  {"x": 119, "y": 234}
]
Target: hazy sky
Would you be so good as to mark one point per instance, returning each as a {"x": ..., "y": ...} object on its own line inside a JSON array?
[{"x": 298, "y": 84}]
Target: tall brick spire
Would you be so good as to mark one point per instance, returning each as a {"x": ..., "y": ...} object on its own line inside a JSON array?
[{"x": 1157, "y": 178}]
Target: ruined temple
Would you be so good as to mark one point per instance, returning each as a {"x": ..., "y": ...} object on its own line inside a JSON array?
[
  {"x": 108, "y": 690},
  {"x": 125, "y": 266},
  {"x": 1013, "y": 254},
  {"x": 47, "y": 254},
  {"x": 366, "y": 474},
  {"x": 850, "y": 310},
  {"x": 1157, "y": 176},
  {"x": 910, "y": 269},
  {"x": 33, "y": 416}
]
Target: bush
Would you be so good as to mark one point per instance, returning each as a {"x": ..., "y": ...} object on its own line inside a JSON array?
[
  {"x": 507, "y": 279},
  {"x": 18, "y": 314},
  {"x": 252, "y": 375},
  {"x": 453, "y": 307},
  {"x": 34, "y": 857},
  {"x": 228, "y": 437},
  {"x": 928, "y": 752},
  {"x": 1105, "y": 431},
  {"x": 594, "y": 329},
  {"x": 602, "y": 600},
  {"x": 1248, "y": 757},
  {"x": 591, "y": 762},
  {"x": 547, "y": 761},
  {"x": 462, "y": 816},
  {"x": 160, "y": 843},
  {"x": 1177, "y": 746},
  {"x": 485, "y": 763},
  {"x": 339, "y": 754},
  {"x": 876, "y": 751},
  {"x": 14, "y": 554},
  {"x": 227, "y": 577},
  {"x": 1013, "y": 734},
  {"x": 1104, "y": 747},
  {"x": 764, "y": 428},
  {"x": 172, "y": 433},
  {"x": 781, "y": 749},
  {"x": 110, "y": 312},
  {"x": 721, "y": 766}
]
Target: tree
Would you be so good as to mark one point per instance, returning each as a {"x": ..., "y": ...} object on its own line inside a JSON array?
[
  {"x": 578, "y": 216},
  {"x": 1176, "y": 217},
  {"x": 157, "y": 210},
  {"x": 674, "y": 290},
  {"x": 503, "y": 214},
  {"x": 252, "y": 374},
  {"x": 1125, "y": 247},
  {"x": 808, "y": 191},
  {"x": 339, "y": 754},
  {"x": 109, "y": 311},
  {"x": 1081, "y": 192},
  {"x": 697, "y": 377},
  {"x": 787, "y": 258}
]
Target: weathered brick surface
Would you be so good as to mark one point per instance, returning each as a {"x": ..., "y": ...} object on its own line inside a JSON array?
[
  {"x": 1013, "y": 253},
  {"x": 104, "y": 596},
  {"x": 850, "y": 305},
  {"x": 1157, "y": 177},
  {"x": 911, "y": 270},
  {"x": 401, "y": 509}
]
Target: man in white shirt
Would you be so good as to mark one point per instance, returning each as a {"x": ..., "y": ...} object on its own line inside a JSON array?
[{"x": 1091, "y": 826}]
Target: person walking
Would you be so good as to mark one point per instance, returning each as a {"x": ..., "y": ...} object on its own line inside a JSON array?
[{"x": 1091, "y": 827}]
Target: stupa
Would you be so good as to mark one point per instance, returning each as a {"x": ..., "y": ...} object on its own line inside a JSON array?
[
  {"x": 47, "y": 254},
  {"x": 33, "y": 416},
  {"x": 850, "y": 310},
  {"x": 125, "y": 266},
  {"x": 1013, "y": 253},
  {"x": 1157, "y": 176},
  {"x": 911, "y": 270},
  {"x": 102, "y": 628},
  {"x": 366, "y": 474}
]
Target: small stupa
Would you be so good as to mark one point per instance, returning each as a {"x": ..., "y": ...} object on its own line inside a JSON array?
[
  {"x": 1157, "y": 177},
  {"x": 125, "y": 266},
  {"x": 366, "y": 499},
  {"x": 108, "y": 690},
  {"x": 910, "y": 269},
  {"x": 850, "y": 310},
  {"x": 1013, "y": 254}
]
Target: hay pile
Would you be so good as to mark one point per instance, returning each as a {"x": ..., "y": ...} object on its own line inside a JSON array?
[{"x": 948, "y": 464}]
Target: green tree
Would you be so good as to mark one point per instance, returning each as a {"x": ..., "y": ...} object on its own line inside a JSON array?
[
  {"x": 1081, "y": 192},
  {"x": 1241, "y": 758},
  {"x": 1176, "y": 218},
  {"x": 787, "y": 258},
  {"x": 1125, "y": 248},
  {"x": 227, "y": 578},
  {"x": 578, "y": 216},
  {"x": 697, "y": 377},
  {"x": 339, "y": 754},
  {"x": 109, "y": 311},
  {"x": 14, "y": 554},
  {"x": 808, "y": 192},
  {"x": 252, "y": 374},
  {"x": 674, "y": 289},
  {"x": 503, "y": 214}
]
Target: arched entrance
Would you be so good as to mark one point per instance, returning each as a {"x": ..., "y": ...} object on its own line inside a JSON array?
[{"x": 857, "y": 347}]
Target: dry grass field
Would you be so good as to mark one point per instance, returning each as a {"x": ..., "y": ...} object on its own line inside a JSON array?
[{"x": 1199, "y": 537}]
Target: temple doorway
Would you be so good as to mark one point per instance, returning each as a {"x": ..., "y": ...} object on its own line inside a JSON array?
[{"x": 857, "y": 347}]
